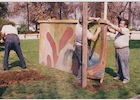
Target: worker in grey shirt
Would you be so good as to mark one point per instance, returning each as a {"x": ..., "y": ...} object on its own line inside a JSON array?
[
  {"x": 78, "y": 43},
  {"x": 121, "y": 44}
]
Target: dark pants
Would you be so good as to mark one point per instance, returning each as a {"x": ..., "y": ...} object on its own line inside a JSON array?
[
  {"x": 78, "y": 52},
  {"x": 12, "y": 42}
]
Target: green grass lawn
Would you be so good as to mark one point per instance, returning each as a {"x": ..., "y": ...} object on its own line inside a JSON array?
[{"x": 60, "y": 84}]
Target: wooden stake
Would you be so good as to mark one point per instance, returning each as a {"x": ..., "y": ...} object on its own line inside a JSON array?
[{"x": 84, "y": 45}]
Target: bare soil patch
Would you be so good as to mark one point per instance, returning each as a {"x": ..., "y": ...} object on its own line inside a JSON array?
[{"x": 13, "y": 77}]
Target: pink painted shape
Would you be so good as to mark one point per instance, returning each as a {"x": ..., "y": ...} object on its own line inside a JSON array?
[
  {"x": 65, "y": 37},
  {"x": 53, "y": 45}
]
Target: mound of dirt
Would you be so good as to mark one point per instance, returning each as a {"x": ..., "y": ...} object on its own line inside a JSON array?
[{"x": 13, "y": 77}]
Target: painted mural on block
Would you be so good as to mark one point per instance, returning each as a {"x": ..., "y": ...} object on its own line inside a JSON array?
[{"x": 57, "y": 48}]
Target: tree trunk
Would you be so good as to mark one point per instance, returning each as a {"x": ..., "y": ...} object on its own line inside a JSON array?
[
  {"x": 28, "y": 15},
  {"x": 56, "y": 10},
  {"x": 97, "y": 10},
  {"x": 129, "y": 14},
  {"x": 60, "y": 10}
]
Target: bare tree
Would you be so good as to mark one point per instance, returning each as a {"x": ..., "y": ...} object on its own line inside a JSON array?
[
  {"x": 95, "y": 9},
  {"x": 31, "y": 11},
  {"x": 128, "y": 10},
  {"x": 3, "y": 9},
  {"x": 71, "y": 10},
  {"x": 114, "y": 9}
]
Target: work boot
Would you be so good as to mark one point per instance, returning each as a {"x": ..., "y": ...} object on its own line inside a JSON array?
[{"x": 125, "y": 81}]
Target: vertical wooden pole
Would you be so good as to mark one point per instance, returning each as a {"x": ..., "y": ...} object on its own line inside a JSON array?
[
  {"x": 84, "y": 45},
  {"x": 105, "y": 10}
]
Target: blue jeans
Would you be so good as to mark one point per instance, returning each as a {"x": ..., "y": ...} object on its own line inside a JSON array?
[
  {"x": 12, "y": 42},
  {"x": 122, "y": 62}
]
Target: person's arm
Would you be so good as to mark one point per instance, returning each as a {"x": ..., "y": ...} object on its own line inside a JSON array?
[
  {"x": 93, "y": 18},
  {"x": 2, "y": 35},
  {"x": 124, "y": 31},
  {"x": 113, "y": 26},
  {"x": 3, "y": 31},
  {"x": 111, "y": 30},
  {"x": 95, "y": 36}
]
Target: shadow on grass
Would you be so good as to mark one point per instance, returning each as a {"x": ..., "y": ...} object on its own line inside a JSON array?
[
  {"x": 1, "y": 46},
  {"x": 14, "y": 64},
  {"x": 110, "y": 72},
  {"x": 1, "y": 49},
  {"x": 2, "y": 90},
  {"x": 134, "y": 44}
]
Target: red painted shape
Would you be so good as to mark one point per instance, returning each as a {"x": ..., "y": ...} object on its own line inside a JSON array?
[
  {"x": 49, "y": 61},
  {"x": 65, "y": 37},
  {"x": 53, "y": 45}
]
